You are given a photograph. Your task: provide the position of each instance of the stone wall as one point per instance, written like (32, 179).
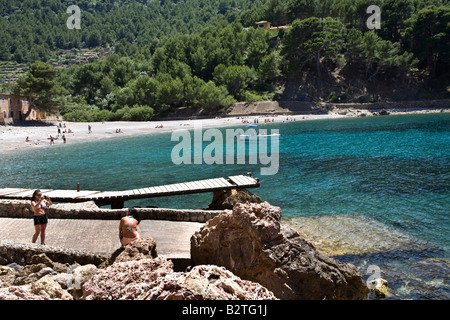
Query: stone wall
(88, 210)
(21, 253)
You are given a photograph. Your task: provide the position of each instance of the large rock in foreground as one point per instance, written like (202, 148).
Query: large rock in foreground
(154, 279)
(207, 283)
(126, 280)
(250, 242)
(143, 248)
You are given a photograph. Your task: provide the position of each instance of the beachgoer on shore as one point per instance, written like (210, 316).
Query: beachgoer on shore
(52, 140)
(64, 138)
(39, 203)
(89, 128)
(28, 139)
(128, 227)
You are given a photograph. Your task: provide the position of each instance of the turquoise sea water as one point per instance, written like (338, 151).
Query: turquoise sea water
(395, 170)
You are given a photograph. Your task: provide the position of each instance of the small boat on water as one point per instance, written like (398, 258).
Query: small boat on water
(257, 136)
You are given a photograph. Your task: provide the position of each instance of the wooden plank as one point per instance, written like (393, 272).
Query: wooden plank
(247, 180)
(234, 180)
(86, 194)
(177, 187)
(220, 183)
(217, 183)
(164, 189)
(191, 186)
(171, 188)
(61, 194)
(212, 184)
(142, 191)
(158, 190)
(203, 184)
(225, 182)
(153, 190)
(243, 180)
(198, 185)
(184, 186)
(239, 180)
(146, 190)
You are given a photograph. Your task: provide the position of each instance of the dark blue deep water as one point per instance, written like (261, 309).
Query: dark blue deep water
(394, 169)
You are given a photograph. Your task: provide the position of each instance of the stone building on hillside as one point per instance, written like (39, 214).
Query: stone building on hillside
(13, 108)
(268, 25)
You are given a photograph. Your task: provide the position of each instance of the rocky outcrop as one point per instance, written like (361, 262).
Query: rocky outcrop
(43, 279)
(144, 248)
(207, 282)
(126, 280)
(250, 242)
(227, 199)
(154, 279)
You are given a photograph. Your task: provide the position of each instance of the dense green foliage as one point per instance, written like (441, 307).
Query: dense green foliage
(208, 53)
(40, 85)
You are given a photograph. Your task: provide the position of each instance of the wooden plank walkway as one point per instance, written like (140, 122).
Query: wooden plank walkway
(117, 198)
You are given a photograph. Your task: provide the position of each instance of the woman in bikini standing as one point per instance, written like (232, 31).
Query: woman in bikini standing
(39, 203)
(128, 227)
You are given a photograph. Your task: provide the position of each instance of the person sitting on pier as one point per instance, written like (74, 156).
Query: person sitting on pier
(128, 227)
(39, 203)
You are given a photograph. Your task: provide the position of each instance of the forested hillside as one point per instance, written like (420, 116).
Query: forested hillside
(158, 56)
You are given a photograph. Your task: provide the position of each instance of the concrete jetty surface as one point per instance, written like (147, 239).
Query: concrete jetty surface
(102, 236)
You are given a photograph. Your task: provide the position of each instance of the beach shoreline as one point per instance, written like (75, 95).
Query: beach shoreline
(13, 137)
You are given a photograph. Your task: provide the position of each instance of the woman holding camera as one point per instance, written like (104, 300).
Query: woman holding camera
(39, 203)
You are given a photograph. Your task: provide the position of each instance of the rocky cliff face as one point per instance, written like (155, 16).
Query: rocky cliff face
(250, 242)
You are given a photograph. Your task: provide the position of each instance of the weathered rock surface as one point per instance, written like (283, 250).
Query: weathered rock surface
(207, 282)
(126, 280)
(144, 248)
(43, 289)
(19, 293)
(49, 288)
(250, 242)
(7, 276)
(229, 198)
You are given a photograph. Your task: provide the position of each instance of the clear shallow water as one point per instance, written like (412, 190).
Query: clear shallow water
(395, 170)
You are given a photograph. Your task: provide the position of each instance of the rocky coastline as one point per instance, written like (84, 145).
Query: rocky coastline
(240, 254)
